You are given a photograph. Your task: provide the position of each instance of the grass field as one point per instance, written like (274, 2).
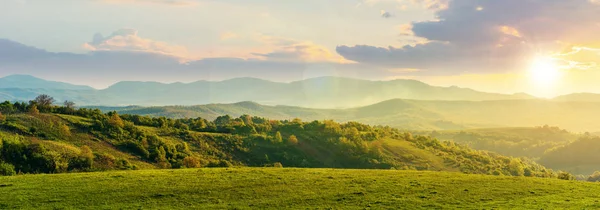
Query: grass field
(273, 188)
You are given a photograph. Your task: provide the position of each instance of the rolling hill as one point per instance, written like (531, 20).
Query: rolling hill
(409, 114)
(87, 140)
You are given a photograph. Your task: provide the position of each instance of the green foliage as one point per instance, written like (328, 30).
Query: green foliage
(518, 142)
(580, 157)
(127, 141)
(7, 169)
(565, 175)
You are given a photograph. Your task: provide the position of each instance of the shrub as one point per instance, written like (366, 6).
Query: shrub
(191, 162)
(33, 110)
(277, 165)
(220, 164)
(64, 130)
(124, 164)
(7, 169)
(2, 117)
(104, 161)
(565, 176)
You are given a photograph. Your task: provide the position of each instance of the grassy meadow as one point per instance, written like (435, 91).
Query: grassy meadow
(278, 188)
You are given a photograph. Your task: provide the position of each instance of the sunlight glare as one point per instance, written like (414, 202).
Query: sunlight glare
(544, 72)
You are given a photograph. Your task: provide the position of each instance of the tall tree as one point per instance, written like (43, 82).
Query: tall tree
(69, 104)
(44, 100)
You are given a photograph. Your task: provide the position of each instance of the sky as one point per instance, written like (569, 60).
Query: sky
(541, 47)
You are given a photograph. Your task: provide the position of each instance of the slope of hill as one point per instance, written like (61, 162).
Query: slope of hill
(411, 114)
(530, 142)
(323, 92)
(268, 188)
(88, 140)
(580, 157)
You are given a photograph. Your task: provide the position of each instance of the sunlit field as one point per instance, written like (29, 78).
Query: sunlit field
(272, 188)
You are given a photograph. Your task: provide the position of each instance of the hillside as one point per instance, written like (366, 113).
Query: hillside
(323, 92)
(530, 142)
(267, 188)
(410, 114)
(65, 140)
(581, 156)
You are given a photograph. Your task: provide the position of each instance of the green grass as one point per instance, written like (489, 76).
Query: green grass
(271, 188)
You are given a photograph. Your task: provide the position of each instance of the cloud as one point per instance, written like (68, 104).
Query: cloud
(129, 41)
(487, 35)
(164, 2)
(281, 60)
(290, 50)
(385, 14)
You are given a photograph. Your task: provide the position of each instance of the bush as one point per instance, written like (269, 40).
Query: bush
(220, 164)
(191, 162)
(566, 176)
(7, 169)
(123, 164)
(277, 165)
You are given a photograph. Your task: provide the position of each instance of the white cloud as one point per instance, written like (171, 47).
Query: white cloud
(128, 40)
(284, 49)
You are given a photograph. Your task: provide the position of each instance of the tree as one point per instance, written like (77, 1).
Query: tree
(44, 100)
(278, 138)
(2, 117)
(70, 106)
(293, 140)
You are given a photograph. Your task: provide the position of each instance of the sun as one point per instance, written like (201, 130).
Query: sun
(544, 72)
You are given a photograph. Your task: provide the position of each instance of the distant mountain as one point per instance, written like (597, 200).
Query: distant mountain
(30, 82)
(323, 92)
(411, 114)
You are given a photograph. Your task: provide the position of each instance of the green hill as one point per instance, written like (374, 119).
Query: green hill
(530, 142)
(65, 140)
(410, 114)
(580, 157)
(268, 188)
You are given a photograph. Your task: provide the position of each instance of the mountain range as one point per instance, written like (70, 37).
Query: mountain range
(322, 92)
